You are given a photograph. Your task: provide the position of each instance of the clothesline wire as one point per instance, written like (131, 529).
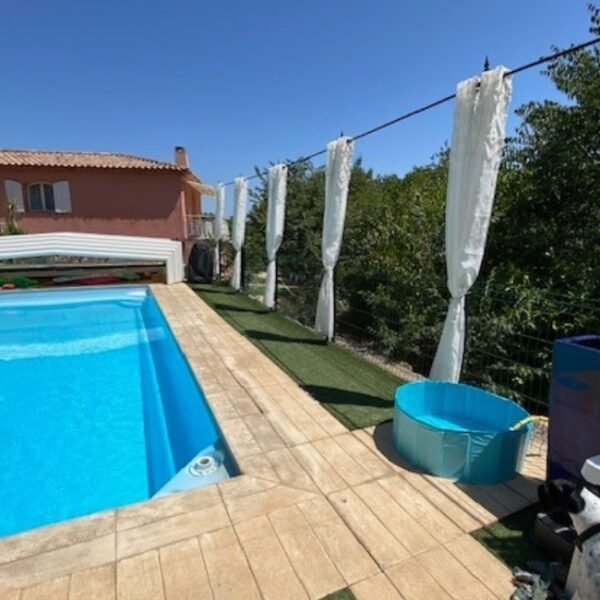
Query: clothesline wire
(540, 61)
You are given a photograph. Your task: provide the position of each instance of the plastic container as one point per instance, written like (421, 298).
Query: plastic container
(459, 432)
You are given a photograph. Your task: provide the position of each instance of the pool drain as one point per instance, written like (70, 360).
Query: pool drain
(205, 465)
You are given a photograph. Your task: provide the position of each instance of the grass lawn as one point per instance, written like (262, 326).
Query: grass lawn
(509, 539)
(356, 392)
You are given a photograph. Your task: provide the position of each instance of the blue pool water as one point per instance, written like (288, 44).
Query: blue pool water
(98, 407)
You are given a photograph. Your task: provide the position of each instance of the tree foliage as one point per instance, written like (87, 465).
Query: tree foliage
(540, 278)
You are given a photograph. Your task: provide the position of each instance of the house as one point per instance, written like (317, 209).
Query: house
(97, 192)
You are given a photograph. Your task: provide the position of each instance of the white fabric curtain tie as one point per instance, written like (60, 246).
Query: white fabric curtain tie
(277, 189)
(337, 181)
(477, 141)
(324, 322)
(269, 299)
(239, 229)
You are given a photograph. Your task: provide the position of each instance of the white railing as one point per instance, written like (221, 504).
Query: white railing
(202, 227)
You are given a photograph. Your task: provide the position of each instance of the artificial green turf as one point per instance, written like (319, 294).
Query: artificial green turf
(356, 392)
(509, 539)
(345, 594)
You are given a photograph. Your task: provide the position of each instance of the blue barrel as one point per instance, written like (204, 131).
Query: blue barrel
(574, 427)
(460, 432)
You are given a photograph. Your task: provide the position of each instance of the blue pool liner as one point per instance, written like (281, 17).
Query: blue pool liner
(459, 432)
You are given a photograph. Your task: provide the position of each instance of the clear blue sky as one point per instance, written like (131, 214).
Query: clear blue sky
(240, 83)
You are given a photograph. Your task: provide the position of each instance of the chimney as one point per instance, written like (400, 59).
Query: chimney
(181, 157)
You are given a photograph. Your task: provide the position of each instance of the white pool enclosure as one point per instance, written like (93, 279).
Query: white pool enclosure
(99, 246)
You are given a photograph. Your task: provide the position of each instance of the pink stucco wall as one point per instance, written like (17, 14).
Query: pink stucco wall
(113, 201)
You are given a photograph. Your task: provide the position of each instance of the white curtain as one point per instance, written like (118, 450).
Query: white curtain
(218, 226)
(477, 141)
(275, 223)
(337, 179)
(239, 229)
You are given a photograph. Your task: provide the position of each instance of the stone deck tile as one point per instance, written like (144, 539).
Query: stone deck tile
(273, 571)
(288, 470)
(56, 589)
(57, 536)
(485, 566)
(264, 434)
(311, 563)
(11, 595)
(319, 469)
(441, 527)
(240, 438)
(291, 451)
(244, 485)
(349, 470)
(286, 428)
(56, 563)
(451, 575)
(228, 570)
(139, 578)
(263, 502)
(377, 587)
(368, 459)
(259, 466)
(96, 584)
(172, 529)
(349, 556)
(375, 537)
(408, 531)
(164, 507)
(183, 571)
(414, 582)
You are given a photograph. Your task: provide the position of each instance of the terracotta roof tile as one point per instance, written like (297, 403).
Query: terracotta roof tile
(98, 160)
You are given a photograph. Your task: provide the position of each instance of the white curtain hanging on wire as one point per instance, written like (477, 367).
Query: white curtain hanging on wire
(218, 226)
(239, 229)
(337, 180)
(275, 224)
(477, 141)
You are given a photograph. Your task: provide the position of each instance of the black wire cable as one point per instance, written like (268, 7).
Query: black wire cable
(540, 61)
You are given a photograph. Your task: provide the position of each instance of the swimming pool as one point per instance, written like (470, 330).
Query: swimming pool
(98, 407)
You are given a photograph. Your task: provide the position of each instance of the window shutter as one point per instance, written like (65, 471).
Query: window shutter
(13, 191)
(62, 197)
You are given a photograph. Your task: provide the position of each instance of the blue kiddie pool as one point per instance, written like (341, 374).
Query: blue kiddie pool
(460, 432)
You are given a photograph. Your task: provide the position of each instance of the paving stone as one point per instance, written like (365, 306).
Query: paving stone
(56, 563)
(347, 468)
(420, 508)
(180, 527)
(139, 578)
(312, 564)
(96, 584)
(321, 471)
(409, 532)
(483, 564)
(254, 505)
(381, 544)
(269, 563)
(377, 587)
(57, 589)
(228, 571)
(460, 583)
(49, 538)
(183, 571)
(166, 506)
(346, 552)
(288, 470)
(414, 582)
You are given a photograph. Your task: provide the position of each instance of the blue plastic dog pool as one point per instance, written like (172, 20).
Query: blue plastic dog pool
(460, 432)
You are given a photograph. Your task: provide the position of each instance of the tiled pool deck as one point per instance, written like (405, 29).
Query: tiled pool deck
(318, 508)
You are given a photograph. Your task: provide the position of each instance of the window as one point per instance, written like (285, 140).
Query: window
(41, 196)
